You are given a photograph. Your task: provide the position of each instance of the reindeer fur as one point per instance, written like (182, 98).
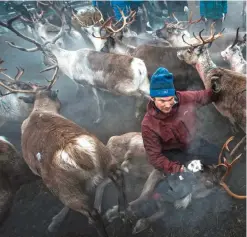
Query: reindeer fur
(14, 173)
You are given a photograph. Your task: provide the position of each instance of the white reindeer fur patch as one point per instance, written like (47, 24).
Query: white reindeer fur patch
(194, 166)
(4, 139)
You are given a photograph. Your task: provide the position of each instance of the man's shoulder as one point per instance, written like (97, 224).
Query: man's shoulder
(147, 121)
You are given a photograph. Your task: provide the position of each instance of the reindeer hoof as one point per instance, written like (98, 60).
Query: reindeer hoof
(111, 214)
(141, 225)
(53, 227)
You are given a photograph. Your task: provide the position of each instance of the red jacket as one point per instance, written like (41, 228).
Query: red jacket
(174, 130)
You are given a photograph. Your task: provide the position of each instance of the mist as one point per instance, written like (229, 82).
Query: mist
(216, 215)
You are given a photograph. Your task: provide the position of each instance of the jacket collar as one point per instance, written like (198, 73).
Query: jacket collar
(155, 112)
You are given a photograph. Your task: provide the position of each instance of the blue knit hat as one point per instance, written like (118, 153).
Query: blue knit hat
(162, 83)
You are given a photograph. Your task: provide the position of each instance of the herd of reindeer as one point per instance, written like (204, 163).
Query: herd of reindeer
(73, 163)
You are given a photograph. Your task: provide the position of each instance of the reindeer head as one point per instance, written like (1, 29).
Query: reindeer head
(31, 93)
(192, 54)
(235, 49)
(110, 32)
(172, 32)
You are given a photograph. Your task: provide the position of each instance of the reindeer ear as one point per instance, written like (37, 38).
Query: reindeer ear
(215, 84)
(53, 94)
(29, 100)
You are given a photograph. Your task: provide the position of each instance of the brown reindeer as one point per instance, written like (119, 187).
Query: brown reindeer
(72, 162)
(14, 173)
(231, 85)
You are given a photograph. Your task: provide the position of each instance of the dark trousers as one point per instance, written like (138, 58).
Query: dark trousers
(199, 149)
(217, 25)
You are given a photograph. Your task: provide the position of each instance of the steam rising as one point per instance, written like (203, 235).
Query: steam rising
(203, 216)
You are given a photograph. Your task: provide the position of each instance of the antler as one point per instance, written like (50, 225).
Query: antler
(236, 38)
(18, 75)
(177, 25)
(9, 25)
(110, 28)
(17, 78)
(228, 167)
(208, 40)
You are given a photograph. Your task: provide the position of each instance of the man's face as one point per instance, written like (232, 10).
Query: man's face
(164, 103)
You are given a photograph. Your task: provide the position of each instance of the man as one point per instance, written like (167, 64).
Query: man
(169, 126)
(213, 11)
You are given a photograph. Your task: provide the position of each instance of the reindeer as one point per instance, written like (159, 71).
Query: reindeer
(197, 181)
(233, 55)
(128, 150)
(118, 74)
(153, 56)
(11, 107)
(173, 32)
(127, 36)
(72, 162)
(14, 173)
(231, 85)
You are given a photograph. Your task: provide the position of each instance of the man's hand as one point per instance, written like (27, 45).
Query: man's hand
(204, 19)
(186, 9)
(224, 16)
(177, 168)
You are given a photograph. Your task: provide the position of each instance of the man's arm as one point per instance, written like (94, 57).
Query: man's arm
(200, 97)
(224, 4)
(202, 8)
(153, 148)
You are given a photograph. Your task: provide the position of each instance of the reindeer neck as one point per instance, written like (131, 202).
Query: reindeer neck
(204, 65)
(122, 48)
(45, 105)
(57, 51)
(11, 108)
(237, 61)
(63, 58)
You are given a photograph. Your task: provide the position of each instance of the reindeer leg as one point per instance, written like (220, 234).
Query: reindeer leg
(125, 164)
(154, 177)
(99, 112)
(98, 223)
(2, 122)
(139, 106)
(6, 197)
(79, 91)
(58, 219)
(144, 223)
(99, 195)
(118, 179)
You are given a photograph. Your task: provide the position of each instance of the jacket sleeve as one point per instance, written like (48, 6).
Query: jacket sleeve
(202, 8)
(200, 97)
(153, 148)
(224, 4)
